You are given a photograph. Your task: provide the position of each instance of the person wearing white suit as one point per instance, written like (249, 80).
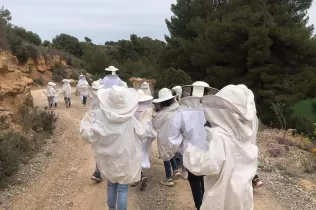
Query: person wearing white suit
(230, 161)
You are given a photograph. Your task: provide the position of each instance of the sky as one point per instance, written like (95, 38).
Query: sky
(100, 20)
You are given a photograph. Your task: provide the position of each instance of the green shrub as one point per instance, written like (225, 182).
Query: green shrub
(38, 120)
(302, 124)
(14, 147)
(57, 78)
(313, 107)
(74, 75)
(39, 81)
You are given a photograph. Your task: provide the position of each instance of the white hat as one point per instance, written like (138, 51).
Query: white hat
(81, 75)
(97, 85)
(144, 85)
(111, 68)
(164, 94)
(50, 84)
(118, 100)
(143, 96)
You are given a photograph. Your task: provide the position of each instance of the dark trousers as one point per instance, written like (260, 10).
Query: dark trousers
(197, 188)
(167, 164)
(84, 100)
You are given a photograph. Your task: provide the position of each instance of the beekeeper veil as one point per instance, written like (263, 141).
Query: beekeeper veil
(145, 87)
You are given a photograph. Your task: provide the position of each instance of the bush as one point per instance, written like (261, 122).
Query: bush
(14, 147)
(302, 124)
(74, 75)
(38, 120)
(313, 107)
(57, 78)
(39, 81)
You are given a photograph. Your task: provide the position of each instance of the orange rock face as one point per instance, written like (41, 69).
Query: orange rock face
(14, 88)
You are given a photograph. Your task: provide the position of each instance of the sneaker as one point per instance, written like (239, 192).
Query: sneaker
(184, 175)
(143, 183)
(257, 183)
(134, 184)
(167, 182)
(176, 175)
(96, 177)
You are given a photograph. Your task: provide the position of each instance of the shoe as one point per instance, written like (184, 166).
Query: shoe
(96, 177)
(134, 184)
(167, 182)
(143, 183)
(257, 183)
(176, 175)
(184, 175)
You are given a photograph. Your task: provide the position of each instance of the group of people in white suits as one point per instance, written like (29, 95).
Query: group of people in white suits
(213, 130)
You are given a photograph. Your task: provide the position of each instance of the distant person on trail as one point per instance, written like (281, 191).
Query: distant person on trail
(55, 101)
(230, 162)
(166, 109)
(95, 105)
(83, 89)
(111, 79)
(50, 93)
(187, 126)
(145, 87)
(66, 90)
(118, 135)
(144, 114)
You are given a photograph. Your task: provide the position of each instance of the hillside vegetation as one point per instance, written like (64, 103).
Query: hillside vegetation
(264, 44)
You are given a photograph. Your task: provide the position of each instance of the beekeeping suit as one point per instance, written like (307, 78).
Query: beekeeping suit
(230, 163)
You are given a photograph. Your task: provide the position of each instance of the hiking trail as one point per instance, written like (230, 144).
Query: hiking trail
(59, 176)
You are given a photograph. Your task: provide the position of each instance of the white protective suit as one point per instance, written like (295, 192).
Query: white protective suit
(231, 161)
(144, 114)
(111, 80)
(187, 126)
(83, 87)
(66, 89)
(50, 91)
(161, 123)
(116, 143)
(95, 103)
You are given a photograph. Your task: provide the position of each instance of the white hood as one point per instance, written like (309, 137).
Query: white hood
(161, 123)
(116, 143)
(231, 161)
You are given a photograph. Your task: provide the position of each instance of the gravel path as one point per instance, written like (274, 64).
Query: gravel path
(58, 178)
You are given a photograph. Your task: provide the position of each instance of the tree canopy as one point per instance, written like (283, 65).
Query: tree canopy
(263, 44)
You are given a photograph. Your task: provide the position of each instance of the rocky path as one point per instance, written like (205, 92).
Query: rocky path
(59, 177)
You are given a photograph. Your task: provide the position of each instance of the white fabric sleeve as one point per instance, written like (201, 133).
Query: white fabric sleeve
(207, 163)
(86, 127)
(139, 129)
(175, 132)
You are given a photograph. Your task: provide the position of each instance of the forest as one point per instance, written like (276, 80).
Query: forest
(264, 44)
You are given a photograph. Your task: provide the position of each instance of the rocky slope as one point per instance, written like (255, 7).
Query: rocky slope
(14, 89)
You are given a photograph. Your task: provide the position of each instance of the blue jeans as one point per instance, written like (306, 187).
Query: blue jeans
(117, 192)
(174, 166)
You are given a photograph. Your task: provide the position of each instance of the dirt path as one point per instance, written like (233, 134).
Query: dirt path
(62, 180)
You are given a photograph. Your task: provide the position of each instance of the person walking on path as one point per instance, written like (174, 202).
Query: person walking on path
(66, 90)
(230, 162)
(83, 89)
(187, 126)
(144, 114)
(118, 135)
(111, 79)
(94, 106)
(50, 93)
(161, 123)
